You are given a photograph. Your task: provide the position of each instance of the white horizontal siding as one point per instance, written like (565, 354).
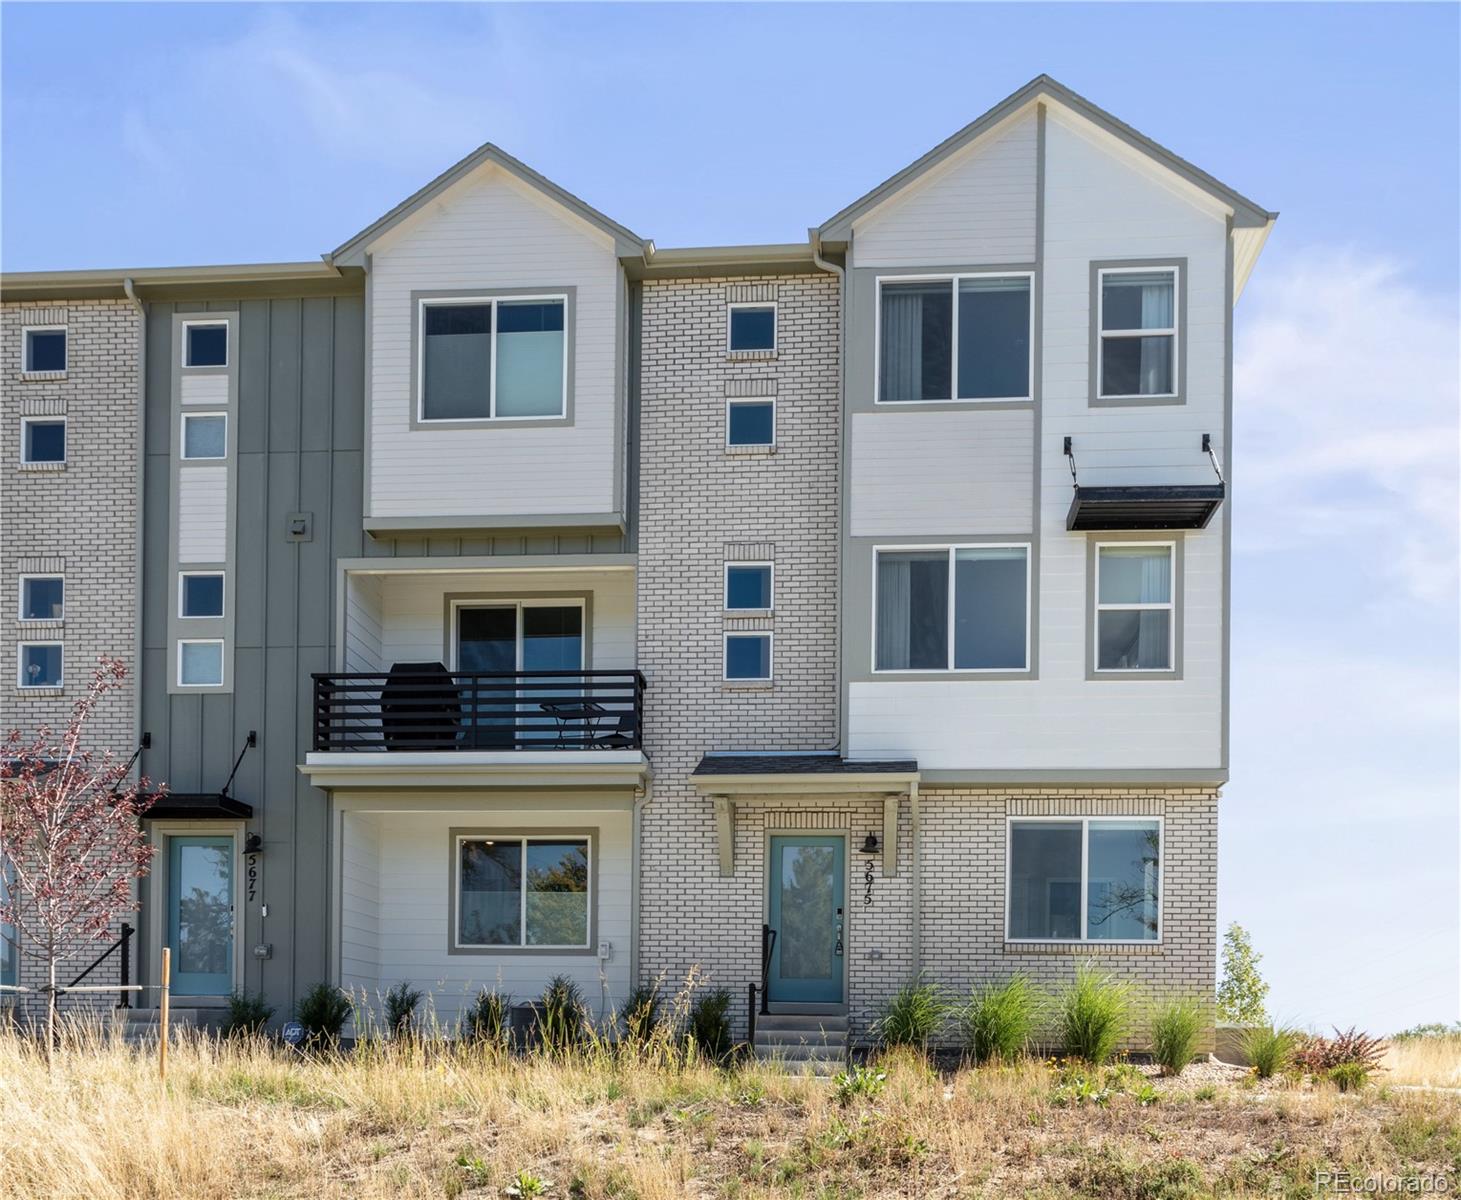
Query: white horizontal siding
(360, 904)
(979, 207)
(203, 389)
(414, 914)
(413, 622)
(202, 514)
(930, 473)
(363, 623)
(493, 232)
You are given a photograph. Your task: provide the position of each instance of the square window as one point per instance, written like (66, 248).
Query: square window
(201, 595)
(43, 441)
(205, 344)
(748, 656)
(752, 327)
(205, 435)
(200, 664)
(45, 350)
(40, 665)
(750, 423)
(748, 585)
(42, 598)
(1135, 611)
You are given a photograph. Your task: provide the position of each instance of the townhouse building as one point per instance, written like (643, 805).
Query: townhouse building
(521, 599)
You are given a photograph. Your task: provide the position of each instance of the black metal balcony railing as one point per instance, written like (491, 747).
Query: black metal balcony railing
(422, 706)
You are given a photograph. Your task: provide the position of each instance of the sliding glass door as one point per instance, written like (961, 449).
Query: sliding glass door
(523, 636)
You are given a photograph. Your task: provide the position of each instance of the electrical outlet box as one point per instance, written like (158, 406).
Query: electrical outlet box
(264, 950)
(606, 951)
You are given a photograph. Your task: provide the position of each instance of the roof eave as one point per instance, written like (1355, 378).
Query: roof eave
(163, 282)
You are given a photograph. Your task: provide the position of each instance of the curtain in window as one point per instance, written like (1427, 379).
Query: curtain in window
(1156, 353)
(1154, 627)
(916, 350)
(913, 611)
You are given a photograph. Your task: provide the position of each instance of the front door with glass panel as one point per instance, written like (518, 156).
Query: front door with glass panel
(200, 915)
(805, 908)
(525, 637)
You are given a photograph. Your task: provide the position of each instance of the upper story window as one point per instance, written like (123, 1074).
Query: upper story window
(205, 435)
(44, 349)
(205, 344)
(748, 586)
(43, 439)
(1135, 618)
(1137, 333)
(748, 657)
(40, 665)
(493, 359)
(200, 663)
(961, 337)
(42, 597)
(200, 594)
(1084, 880)
(750, 422)
(752, 327)
(952, 608)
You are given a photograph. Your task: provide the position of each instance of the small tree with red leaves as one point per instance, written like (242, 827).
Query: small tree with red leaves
(71, 842)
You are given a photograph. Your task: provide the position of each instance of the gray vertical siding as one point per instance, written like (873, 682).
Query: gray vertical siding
(300, 444)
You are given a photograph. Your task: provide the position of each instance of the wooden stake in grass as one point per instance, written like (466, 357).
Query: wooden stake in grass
(162, 1025)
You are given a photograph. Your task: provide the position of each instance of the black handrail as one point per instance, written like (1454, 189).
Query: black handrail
(768, 944)
(124, 944)
(423, 706)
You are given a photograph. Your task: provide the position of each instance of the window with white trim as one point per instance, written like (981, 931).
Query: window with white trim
(205, 435)
(958, 337)
(748, 586)
(748, 657)
(1135, 619)
(1137, 327)
(43, 439)
(750, 422)
(205, 343)
(200, 594)
(493, 359)
(200, 662)
(751, 327)
(1084, 879)
(42, 598)
(530, 891)
(951, 608)
(40, 665)
(44, 349)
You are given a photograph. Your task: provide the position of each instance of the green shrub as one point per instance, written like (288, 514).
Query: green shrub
(915, 1013)
(999, 1019)
(1176, 1026)
(561, 1013)
(710, 1023)
(641, 1013)
(1095, 1014)
(323, 1011)
(487, 1019)
(1349, 1076)
(401, 1002)
(859, 1081)
(1432, 1029)
(247, 1015)
(1270, 1048)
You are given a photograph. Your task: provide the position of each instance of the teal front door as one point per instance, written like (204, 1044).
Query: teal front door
(200, 915)
(805, 909)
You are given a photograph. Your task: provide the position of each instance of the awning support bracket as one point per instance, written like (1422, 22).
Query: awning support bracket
(1211, 457)
(251, 740)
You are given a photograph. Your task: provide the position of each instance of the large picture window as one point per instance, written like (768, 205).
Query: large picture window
(952, 608)
(1135, 615)
(962, 337)
(493, 359)
(530, 891)
(1137, 333)
(1084, 879)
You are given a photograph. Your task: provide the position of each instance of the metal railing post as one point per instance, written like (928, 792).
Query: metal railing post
(124, 997)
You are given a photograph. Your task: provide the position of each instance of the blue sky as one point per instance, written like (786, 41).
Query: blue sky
(171, 134)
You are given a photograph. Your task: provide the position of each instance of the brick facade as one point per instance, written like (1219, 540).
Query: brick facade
(77, 520)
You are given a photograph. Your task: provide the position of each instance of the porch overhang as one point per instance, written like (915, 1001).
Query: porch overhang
(360, 771)
(197, 806)
(793, 777)
(1187, 506)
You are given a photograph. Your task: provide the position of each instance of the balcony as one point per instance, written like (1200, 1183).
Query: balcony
(424, 708)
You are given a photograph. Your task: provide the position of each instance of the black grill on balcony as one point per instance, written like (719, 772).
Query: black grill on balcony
(425, 707)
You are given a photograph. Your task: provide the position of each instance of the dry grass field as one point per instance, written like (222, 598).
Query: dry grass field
(254, 1120)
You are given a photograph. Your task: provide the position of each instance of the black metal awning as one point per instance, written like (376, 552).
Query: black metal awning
(1161, 506)
(198, 806)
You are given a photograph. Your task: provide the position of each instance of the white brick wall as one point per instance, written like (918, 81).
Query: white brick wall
(79, 521)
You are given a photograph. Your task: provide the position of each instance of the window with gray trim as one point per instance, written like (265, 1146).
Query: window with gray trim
(523, 891)
(1135, 606)
(1084, 879)
(494, 358)
(951, 608)
(1137, 333)
(961, 337)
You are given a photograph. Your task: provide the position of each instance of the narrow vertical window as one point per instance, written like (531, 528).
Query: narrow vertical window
(1135, 618)
(1138, 333)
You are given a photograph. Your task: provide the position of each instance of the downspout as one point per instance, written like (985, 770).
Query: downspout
(641, 802)
(832, 268)
(130, 290)
(915, 877)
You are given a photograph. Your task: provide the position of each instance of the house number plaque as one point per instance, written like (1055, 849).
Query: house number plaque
(251, 875)
(867, 883)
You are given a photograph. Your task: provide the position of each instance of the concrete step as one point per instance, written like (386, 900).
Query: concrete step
(803, 1022)
(789, 1052)
(800, 1037)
